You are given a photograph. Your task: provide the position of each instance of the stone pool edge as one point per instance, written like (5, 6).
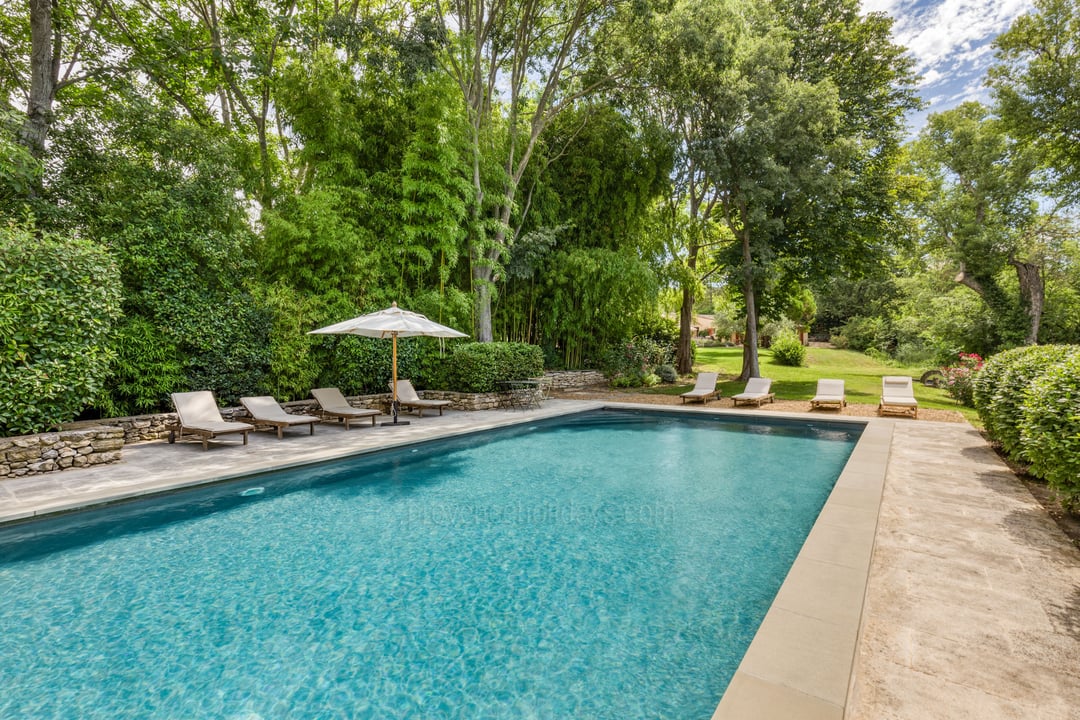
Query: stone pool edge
(801, 662)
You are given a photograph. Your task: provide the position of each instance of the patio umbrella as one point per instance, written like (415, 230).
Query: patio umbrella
(391, 323)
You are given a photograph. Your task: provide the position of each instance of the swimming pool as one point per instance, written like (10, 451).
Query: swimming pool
(614, 565)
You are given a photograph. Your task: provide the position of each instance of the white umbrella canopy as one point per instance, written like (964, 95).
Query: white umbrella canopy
(393, 322)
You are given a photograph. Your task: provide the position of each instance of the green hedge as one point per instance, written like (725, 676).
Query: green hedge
(59, 301)
(1000, 389)
(1050, 429)
(478, 367)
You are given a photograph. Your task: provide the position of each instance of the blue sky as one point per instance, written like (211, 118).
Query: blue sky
(950, 42)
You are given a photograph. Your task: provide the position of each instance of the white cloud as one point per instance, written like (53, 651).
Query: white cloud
(885, 6)
(931, 77)
(953, 28)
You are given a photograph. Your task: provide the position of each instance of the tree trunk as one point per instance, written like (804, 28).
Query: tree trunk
(482, 278)
(683, 358)
(750, 339)
(1032, 296)
(44, 70)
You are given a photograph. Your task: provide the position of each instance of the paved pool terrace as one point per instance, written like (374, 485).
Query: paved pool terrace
(932, 586)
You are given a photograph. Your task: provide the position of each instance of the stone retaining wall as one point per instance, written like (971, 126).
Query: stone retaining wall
(93, 442)
(49, 452)
(574, 379)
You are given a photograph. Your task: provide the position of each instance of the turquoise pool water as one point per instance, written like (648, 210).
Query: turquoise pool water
(612, 565)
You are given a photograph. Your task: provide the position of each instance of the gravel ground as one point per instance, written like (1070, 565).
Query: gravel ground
(788, 406)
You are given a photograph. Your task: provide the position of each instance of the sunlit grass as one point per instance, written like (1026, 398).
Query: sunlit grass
(861, 375)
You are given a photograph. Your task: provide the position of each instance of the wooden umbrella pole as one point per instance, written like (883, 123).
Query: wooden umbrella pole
(393, 371)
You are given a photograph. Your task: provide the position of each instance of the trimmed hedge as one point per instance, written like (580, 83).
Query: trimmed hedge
(1050, 429)
(1001, 386)
(478, 367)
(59, 301)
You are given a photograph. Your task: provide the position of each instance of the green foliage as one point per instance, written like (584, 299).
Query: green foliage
(478, 367)
(59, 298)
(787, 350)
(667, 373)
(864, 333)
(147, 367)
(226, 344)
(1037, 86)
(593, 299)
(629, 363)
(293, 362)
(1001, 386)
(979, 206)
(1050, 428)
(161, 194)
(19, 171)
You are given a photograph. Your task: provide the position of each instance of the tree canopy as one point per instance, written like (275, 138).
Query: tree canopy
(546, 172)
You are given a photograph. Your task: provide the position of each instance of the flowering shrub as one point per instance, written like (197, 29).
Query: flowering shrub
(628, 364)
(960, 378)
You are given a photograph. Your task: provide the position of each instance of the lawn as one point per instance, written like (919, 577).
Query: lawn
(861, 375)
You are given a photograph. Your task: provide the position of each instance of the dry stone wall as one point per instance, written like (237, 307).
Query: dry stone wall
(574, 379)
(101, 441)
(49, 452)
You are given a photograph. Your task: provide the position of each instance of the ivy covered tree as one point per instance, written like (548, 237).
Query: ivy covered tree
(979, 207)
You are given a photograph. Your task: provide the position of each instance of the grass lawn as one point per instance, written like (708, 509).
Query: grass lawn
(861, 375)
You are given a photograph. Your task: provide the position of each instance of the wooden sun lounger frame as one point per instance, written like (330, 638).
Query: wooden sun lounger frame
(207, 429)
(416, 402)
(344, 412)
(701, 389)
(748, 397)
(829, 399)
(895, 404)
(284, 419)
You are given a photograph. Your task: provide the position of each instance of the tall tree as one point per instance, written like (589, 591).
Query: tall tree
(693, 54)
(791, 133)
(1036, 84)
(518, 64)
(980, 208)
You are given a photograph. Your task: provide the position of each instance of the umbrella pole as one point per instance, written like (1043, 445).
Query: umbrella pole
(393, 386)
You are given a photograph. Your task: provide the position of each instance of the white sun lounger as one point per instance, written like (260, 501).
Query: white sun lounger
(334, 405)
(898, 397)
(756, 392)
(830, 393)
(704, 388)
(198, 414)
(264, 410)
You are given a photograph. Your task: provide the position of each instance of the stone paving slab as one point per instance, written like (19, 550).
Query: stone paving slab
(973, 602)
(156, 466)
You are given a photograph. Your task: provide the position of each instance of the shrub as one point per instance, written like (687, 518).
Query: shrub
(1050, 428)
(478, 367)
(667, 373)
(865, 333)
(787, 350)
(1000, 386)
(650, 380)
(960, 378)
(59, 298)
(627, 381)
(636, 357)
